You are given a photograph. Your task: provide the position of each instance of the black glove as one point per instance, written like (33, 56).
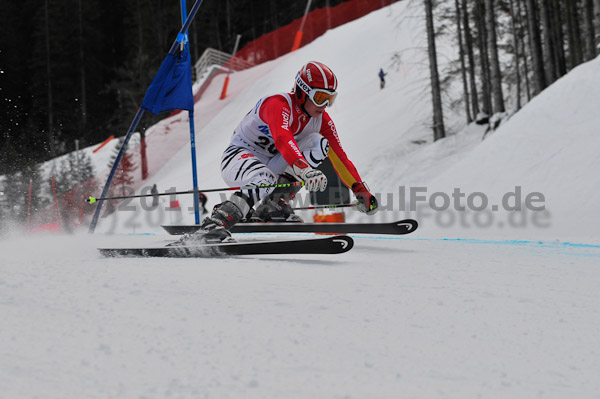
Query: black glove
(367, 203)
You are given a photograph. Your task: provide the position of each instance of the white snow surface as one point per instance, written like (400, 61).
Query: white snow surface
(451, 311)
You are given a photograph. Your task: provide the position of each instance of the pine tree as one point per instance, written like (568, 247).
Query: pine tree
(590, 30)
(484, 60)
(124, 174)
(535, 43)
(3, 207)
(75, 169)
(522, 28)
(438, 116)
(574, 33)
(471, 58)
(461, 56)
(33, 172)
(597, 21)
(15, 196)
(517, 68)
(75, 181)
(549, 45)
(496, 75)
(17, 187)
(558, 36)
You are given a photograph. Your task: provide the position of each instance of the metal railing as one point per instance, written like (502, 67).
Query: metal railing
(215, 58)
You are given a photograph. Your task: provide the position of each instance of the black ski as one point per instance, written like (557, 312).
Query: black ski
(326, 245)
(397, 228)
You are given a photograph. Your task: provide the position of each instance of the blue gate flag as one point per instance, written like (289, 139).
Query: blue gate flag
(171, 88)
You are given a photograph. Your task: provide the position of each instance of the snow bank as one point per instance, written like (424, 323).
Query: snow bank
(551, 147)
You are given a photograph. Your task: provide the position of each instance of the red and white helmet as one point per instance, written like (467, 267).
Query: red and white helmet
(317, 82)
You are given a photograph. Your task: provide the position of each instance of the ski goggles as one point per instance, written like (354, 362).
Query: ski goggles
(319, 97)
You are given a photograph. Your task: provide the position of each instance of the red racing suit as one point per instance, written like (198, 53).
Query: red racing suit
(275, 125)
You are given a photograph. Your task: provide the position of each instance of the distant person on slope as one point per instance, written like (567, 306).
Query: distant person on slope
(283, 139)
(381, 78)
(202, 199)
(154, 192)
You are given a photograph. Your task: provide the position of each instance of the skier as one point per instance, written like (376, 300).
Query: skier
(382, 78)
(202, 199)
(154, 192)
(283, 139)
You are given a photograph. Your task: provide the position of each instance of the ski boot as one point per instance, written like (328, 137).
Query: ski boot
(214, 228)
(275, 207)
(274, 210)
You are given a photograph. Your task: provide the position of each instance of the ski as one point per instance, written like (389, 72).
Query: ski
(396, 228)
(327, 245)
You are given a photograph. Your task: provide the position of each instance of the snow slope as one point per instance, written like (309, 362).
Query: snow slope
(392, 318)
(552, 147)
(422, 316)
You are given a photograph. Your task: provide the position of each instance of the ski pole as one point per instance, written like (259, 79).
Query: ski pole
(308, 208)
(92, 200)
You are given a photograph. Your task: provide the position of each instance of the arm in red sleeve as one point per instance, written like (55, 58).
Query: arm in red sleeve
(343, 166)
(276, 112)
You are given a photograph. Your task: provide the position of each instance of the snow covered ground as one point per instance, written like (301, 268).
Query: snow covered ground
(448, 312)
(391, 318)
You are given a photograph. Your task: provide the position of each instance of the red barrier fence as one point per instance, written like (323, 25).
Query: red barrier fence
(279, 42)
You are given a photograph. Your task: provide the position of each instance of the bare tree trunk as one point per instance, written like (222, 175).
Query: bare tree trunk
(573, 34)
(461, 54)
(549, 47)
(597, 19)
(82, 69)
(194, 45)
(471, 58)
(496, 77)
(50, 133)
(539, 79)
(273, 12)
(516, 49)
(483, 57)
(436, 94)
(140, 32)
(275, 24)
(590, 34)
(228, 19)
(218, 35)
(523, 52)
(155, 18)
(559, 37)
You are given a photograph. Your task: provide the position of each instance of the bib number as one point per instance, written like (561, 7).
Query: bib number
(264, 143)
